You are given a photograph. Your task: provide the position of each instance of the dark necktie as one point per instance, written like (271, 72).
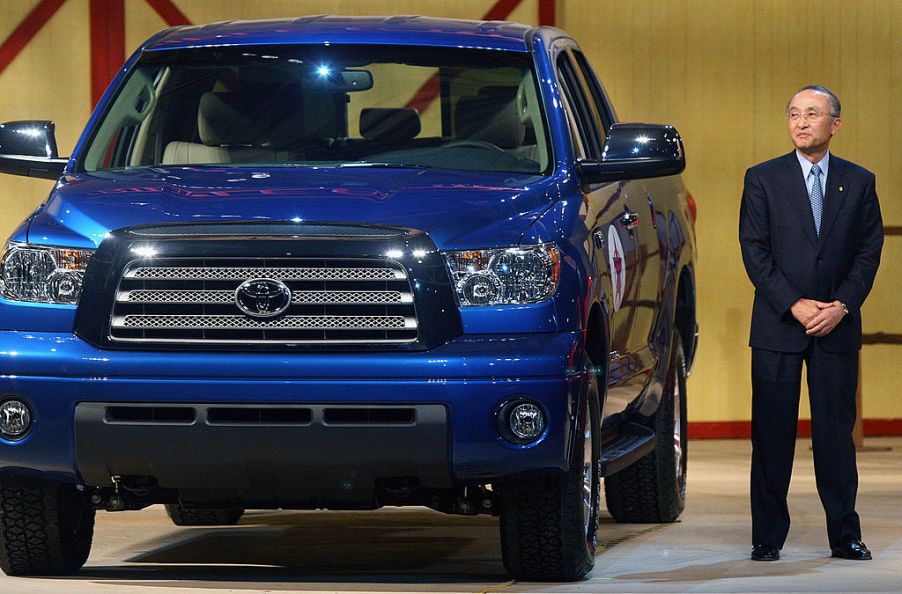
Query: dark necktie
(817, 197)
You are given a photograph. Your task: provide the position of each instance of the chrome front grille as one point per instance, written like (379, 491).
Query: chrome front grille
(333, 301)
(219, 296)
(158, 322)
(247, 272)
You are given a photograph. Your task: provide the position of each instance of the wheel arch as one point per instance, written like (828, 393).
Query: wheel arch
(598, 347)
(685, 319)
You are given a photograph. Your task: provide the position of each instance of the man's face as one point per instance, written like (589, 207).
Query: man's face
(810, 124)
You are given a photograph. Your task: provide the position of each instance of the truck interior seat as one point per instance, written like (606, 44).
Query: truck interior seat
(389, 124)
(490, 116)
(233, 128)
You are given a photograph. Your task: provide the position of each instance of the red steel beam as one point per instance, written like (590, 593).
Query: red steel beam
(107, 43)
(426, 94)
(547, 13)
(501, 10)
(27, 29)
(108, 38)
(169, 12)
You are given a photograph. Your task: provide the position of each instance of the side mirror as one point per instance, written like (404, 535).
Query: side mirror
(635, 151)
(29, 148)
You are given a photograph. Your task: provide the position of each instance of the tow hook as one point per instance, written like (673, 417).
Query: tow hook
(115, 501)
(475, 501)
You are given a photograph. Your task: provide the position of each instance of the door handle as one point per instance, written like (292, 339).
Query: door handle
(629, 220)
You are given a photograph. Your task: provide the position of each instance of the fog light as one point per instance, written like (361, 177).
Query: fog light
(521, 421)
(527, 421)
(15, 419)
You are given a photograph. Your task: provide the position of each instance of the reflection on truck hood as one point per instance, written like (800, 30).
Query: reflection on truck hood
(457, 209)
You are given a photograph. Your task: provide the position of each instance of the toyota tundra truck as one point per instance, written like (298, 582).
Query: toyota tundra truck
(348, 263)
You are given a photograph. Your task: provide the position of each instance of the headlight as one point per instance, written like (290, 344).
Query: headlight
(505, 276)
(42, 274)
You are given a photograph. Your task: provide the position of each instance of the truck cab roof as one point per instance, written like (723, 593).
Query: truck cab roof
(326, 29)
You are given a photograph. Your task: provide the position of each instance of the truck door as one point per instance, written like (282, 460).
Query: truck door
(653, 235)
(613, 235)
(643, 220)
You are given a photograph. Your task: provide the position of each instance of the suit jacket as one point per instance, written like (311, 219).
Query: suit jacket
(787, 260)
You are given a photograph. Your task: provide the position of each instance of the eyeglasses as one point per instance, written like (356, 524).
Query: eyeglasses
(810, 115)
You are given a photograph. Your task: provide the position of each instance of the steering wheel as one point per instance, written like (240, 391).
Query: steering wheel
(480, 144)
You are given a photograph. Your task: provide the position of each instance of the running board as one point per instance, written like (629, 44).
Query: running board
(634, 442)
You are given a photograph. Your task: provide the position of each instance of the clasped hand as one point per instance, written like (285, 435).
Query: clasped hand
(818, 317)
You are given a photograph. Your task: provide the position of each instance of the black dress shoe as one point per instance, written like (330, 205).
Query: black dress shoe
(852, 548)
(765, 553)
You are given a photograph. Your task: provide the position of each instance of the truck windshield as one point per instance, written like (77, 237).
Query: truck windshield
(325, 106)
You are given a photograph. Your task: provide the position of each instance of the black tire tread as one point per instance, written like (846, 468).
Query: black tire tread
(542, 533)
(647, 492)
(540, 542)
(45, 529)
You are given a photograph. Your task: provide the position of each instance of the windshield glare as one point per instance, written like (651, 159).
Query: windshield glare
(327, 106)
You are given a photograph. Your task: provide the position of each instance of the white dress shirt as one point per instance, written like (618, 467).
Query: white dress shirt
(806, 172)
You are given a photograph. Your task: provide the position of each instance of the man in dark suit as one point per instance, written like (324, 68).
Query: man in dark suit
(811, 235)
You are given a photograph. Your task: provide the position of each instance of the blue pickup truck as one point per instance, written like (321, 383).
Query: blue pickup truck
(348, 263)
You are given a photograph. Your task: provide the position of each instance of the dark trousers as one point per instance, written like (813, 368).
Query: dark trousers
(776, 382)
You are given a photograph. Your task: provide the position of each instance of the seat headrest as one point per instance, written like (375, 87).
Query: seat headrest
(379, 123)
(231, 119)
(492, 115)
(275, 116)
(314, 116)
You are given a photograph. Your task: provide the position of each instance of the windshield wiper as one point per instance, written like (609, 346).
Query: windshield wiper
(383, 165)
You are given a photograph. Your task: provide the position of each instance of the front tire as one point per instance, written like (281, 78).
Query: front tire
(653, 489)
(203, 516)
(45, 528)
(548, 527)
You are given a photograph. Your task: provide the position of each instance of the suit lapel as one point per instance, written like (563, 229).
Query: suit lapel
(797, 195)
(833, 196)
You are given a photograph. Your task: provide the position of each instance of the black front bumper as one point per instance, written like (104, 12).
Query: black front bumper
(310, 455)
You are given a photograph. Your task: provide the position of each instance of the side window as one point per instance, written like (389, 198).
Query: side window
(575, 135)
(115, 140)
(580, 107)
(603, 111)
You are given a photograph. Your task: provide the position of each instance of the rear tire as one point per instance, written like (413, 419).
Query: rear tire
(548, 527)
(653, 489)
(45, 528)
(203, 516)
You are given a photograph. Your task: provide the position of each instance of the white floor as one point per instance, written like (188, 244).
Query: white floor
(417, 550)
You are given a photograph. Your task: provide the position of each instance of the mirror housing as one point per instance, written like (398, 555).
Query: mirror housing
(634, 151)
(340, 81)
(29, 148)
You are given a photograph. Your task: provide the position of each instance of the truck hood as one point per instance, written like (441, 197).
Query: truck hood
(457, 209)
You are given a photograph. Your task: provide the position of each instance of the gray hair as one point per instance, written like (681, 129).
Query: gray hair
(833, 100)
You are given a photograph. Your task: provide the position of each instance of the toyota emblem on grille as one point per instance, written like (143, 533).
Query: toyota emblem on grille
(262, 297)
